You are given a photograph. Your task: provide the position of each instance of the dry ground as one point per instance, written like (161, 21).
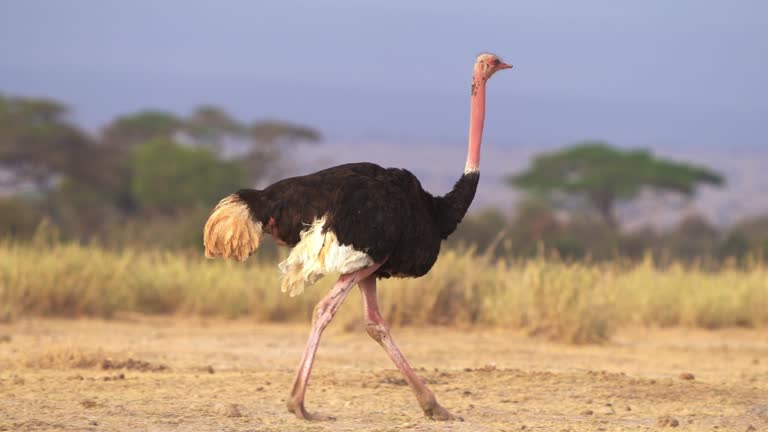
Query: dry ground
(155, 374)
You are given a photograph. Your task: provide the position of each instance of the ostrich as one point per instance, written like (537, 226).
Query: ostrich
(362, 221)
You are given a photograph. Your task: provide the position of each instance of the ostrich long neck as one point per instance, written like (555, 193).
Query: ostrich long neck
(452, 207)
(476, 120)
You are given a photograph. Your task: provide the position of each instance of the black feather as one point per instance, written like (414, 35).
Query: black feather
(384, 212)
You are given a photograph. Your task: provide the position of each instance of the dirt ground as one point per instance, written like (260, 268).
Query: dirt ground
(142, 374)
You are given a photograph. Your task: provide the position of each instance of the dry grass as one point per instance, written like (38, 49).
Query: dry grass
(573, 302)
(70, 357)
(65, 358)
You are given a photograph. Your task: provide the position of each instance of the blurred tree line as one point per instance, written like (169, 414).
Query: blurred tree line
(536, 228)
(147, 178)
(150, 178)
(570, 206)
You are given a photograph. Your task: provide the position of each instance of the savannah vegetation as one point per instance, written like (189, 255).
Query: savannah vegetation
(104, 223)
(576, 301)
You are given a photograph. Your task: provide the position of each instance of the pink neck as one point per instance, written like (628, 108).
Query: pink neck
(476, 119)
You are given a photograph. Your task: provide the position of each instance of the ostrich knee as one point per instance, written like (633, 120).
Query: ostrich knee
(379, 331)
(322, 315)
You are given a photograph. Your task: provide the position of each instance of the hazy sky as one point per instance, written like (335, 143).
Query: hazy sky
(655, 73)
(388, 81)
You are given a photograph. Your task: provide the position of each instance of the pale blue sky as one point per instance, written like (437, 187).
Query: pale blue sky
(652, 73)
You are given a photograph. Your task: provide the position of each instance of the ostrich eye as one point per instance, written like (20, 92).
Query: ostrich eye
(496, 62)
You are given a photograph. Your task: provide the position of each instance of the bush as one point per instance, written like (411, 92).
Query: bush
(19, 218)
(169, 177)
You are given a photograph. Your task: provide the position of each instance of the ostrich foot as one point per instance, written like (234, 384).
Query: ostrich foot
(441, 414)
(298, 409)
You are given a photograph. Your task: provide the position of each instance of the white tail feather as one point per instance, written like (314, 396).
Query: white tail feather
(317, 254)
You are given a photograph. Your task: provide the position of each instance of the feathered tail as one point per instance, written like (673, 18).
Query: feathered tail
(230, 231)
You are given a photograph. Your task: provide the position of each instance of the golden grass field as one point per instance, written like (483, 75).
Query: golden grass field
(93, 339)
(571, 302)
(162, 374)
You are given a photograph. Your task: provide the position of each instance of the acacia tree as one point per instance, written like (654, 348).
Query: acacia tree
(260, 146)
(212, 127)
(269, 141)
(605, 175)
(257, 147)
(39, 146)
(128, 131)
(168, 176)
(42, 152)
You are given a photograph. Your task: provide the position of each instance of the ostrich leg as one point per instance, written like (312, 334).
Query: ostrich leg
(321, 317)
(378, 329)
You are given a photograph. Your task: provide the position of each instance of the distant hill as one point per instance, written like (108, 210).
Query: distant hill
(439, 165)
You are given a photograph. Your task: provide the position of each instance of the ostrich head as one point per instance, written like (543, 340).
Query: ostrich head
(488, 64)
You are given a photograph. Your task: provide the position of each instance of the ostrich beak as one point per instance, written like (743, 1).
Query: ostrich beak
(503, 66)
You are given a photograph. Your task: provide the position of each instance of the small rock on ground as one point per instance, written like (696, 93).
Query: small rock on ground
(227, 410)
(665, 421)
(760, 410)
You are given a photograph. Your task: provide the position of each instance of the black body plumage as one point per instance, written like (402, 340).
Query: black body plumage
(383, 212)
